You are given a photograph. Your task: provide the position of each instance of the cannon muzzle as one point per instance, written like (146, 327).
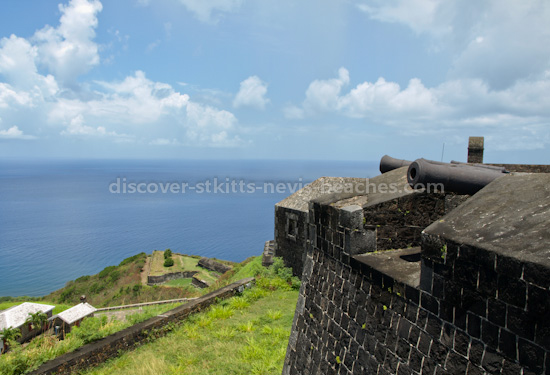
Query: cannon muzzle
(387, 163)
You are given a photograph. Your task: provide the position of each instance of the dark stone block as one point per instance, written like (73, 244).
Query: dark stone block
(429, 303)
(487, 282)
(403, 369)
(462, 342)
(411, 312)
(403, 349)
(542, 336)
(509, 266)
(496, 312)
(474, 370)
(507, 344)
(414, 334)
(530, 355)
(438, 287)
(537, 274)
(452, 293)
(456, 364)
(438, 352)
(474, 302)
(460, 318)
(415, 360)
(474, 325)
(433, 327)
(422, 318)
(512, 291)
(446, 311)
(492, 361)
(476, 352)
(466, 274)
(489, 333)
(519, 322)
(538, 303)
(428, 366)
(424, 343)
(511, 368)
(404, 328)
(447, 337)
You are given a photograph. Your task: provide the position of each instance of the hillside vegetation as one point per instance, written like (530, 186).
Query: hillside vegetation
(118, 285)
(246, 334)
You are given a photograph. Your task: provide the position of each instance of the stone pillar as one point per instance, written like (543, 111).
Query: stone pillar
(475, 150)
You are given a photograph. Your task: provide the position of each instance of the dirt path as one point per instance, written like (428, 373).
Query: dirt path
(146, 269)
(119, 314)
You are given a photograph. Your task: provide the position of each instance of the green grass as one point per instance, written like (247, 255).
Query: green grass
(179, 283)
(223, 340)
(46, 347)
(181, 263)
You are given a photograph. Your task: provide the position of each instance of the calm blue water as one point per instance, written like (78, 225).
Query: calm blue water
(59, 220)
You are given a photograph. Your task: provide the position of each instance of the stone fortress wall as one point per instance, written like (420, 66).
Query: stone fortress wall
(466, 290)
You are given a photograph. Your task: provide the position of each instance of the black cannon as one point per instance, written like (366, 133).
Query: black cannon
(451, 177)
(387, 163)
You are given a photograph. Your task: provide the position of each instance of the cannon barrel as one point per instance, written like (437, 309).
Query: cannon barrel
(387, 163)
(494, 167)
(458, 178)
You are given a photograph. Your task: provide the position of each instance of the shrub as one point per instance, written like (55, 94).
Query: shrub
(167, 253)
(106, 271)
(169, 262)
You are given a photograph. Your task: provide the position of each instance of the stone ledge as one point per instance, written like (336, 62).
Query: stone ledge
(403, 265)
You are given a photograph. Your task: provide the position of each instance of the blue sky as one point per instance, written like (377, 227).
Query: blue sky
(276, 79)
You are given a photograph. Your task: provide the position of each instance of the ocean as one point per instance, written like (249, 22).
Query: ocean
(60, 220)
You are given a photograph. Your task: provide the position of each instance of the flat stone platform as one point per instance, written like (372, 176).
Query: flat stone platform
(402, 265)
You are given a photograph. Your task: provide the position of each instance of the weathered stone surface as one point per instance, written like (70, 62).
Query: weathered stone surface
(212, 265)
(509, 217)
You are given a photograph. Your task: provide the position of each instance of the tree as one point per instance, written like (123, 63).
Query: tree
(9, 335)
(167, 253)
(37, 320)
(169, 262)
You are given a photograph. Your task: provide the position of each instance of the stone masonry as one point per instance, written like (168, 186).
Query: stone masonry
(475, 299)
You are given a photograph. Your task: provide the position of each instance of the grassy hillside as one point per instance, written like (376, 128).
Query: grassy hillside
(243, 335)
(117, 285)
(246, 334)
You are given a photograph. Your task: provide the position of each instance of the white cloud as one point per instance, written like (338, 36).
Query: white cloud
(489, 39)
(451, 106)
(165, 142)
(251, 93)
(14, 133)
(208, 11)
(69, 50)
(135, 100)
(77, 127)
(207, 125)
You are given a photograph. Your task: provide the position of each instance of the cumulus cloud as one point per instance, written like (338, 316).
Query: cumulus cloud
(208, 125)
(208, 11)
(77, 127)
(453, 105)
(14, 133)
(490, 40)
(69, 50)
(251, 93)
(165, 142)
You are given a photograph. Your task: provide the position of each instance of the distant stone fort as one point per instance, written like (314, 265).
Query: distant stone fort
(397, 280)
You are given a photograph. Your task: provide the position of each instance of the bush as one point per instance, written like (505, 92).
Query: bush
(169, 262)
(167, 253)
(106, 271)
(133, 258)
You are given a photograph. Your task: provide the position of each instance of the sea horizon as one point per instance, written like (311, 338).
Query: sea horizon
(63, 218)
